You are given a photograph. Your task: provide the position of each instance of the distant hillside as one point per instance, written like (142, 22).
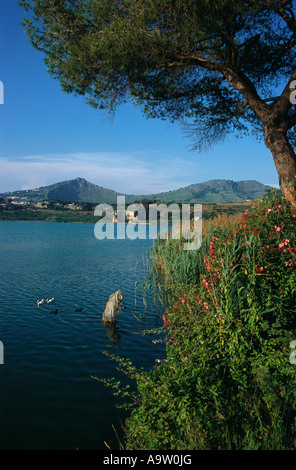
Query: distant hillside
(76, 190)
(81, 190)
(213, 191)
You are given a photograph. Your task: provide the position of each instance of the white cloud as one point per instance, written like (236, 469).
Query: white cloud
(135, 173)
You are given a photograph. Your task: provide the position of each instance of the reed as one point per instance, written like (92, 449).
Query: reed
(171, 264)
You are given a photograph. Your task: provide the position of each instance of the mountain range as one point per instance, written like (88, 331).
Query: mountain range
(81, 190)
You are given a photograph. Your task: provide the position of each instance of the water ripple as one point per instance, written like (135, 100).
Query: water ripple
(49, 400)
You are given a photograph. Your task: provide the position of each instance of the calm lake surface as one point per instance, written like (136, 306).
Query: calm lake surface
(48, 399)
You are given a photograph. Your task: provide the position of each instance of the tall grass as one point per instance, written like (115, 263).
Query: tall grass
(174, 265)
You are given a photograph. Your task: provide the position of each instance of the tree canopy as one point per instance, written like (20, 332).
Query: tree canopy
(216, 66)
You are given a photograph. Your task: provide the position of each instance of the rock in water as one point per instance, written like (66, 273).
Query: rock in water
(112, 308)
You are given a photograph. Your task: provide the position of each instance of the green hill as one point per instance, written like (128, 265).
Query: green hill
(75, 190)
(213, 191)
(81, 190)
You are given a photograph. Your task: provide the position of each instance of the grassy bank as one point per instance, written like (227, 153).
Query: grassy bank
(229, 379)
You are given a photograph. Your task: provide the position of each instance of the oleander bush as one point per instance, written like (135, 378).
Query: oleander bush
(228, 381)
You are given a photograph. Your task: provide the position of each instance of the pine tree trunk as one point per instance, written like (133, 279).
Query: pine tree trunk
(284, 158)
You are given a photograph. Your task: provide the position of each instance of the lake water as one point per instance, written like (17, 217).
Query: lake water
(48, 399)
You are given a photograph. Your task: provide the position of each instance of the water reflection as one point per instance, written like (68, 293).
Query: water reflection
(113, 335)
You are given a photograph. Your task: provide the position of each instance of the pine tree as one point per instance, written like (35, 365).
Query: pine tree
(216, 66)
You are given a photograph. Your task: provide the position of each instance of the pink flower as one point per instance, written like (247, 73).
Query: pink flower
(261, 268)
(278, 229)
(268, 211)
(165, 324)
(284, 243)
(248, 243)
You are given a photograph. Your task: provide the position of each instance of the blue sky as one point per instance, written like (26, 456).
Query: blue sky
(48, 136)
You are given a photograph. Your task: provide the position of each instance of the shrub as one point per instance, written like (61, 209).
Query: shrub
(227, 381)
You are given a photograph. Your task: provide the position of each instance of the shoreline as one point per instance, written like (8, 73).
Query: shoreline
(209, 211)
(72, 221)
